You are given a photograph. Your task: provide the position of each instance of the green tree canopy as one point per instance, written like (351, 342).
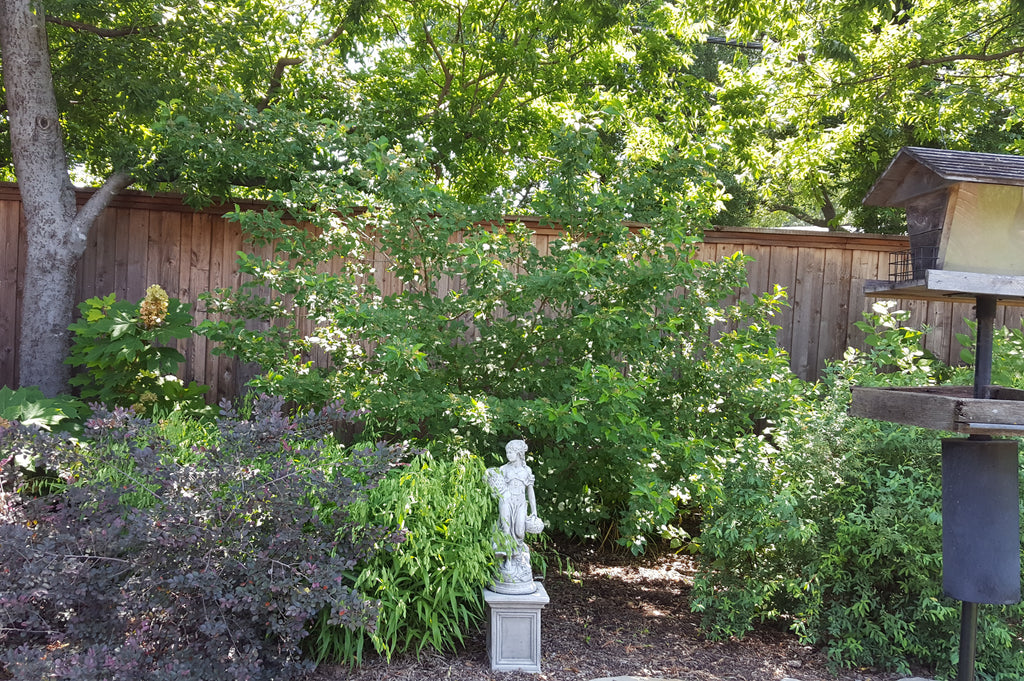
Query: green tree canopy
(837, 88)
(211, 96)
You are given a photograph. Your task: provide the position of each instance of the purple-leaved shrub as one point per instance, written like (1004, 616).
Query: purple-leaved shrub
(135, 566)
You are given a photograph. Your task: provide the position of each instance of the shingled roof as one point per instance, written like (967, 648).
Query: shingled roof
(918, 170)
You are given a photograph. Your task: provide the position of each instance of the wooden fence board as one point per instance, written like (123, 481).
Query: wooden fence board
(918, 310)
(939, 320)
(167, 250)
(757, 270)
(863, 267)
(104, 232)
(229, 245)
(122, 229)
(806, 297)
(959, 313)
(1013, 317)
(138, 252)
(183, 290)
(199, 281)
(9, 295)
(782, 271)
(835, 303)
(86, 270)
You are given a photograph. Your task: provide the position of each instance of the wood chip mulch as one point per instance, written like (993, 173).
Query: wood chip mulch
(616, 615)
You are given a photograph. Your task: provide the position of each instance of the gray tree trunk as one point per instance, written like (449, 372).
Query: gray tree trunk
(56, 231)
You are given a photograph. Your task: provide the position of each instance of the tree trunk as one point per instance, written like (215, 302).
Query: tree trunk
(55, 231)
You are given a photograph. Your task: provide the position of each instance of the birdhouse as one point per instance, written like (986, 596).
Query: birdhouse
(965, 220)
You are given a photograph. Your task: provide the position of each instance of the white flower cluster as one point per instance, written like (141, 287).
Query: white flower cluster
(335, 341)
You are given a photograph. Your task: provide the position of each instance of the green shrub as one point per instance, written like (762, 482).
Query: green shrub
(1007, 353)
(896, 354)
(611, 354)
(428, 585)
(835, 527)
(122, 349)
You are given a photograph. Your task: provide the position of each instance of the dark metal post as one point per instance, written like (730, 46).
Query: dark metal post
(985, 313)
(968, 641)
(985, 310)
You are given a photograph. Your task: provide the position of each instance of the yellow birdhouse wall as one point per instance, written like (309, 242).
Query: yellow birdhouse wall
(984, 229)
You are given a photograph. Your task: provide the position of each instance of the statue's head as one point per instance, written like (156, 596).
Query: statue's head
(516, 449)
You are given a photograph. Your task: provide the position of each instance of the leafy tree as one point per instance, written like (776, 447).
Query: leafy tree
(438, 119)
(603, 353)
(57, 229)
(806, 106)
(837, 88)
(82, 84)
(238, 97)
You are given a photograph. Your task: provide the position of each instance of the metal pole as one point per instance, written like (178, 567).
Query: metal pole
(985, 313)
(968, 641)
(985, 310)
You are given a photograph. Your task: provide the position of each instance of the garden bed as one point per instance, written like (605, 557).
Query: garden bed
(612, 615)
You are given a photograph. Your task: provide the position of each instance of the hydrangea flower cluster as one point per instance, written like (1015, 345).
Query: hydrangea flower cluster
(153, 309)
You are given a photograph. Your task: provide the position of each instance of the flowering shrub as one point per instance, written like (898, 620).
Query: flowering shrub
(139, 566)
(123, 350)
(153, 308)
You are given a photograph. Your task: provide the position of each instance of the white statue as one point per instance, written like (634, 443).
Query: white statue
(517, 516)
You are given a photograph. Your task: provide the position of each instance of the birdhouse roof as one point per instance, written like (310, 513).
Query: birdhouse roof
(916, 171)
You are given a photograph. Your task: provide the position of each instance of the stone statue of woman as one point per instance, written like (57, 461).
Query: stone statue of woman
(517, 515)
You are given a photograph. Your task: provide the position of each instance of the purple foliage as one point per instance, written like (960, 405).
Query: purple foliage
(214, 569)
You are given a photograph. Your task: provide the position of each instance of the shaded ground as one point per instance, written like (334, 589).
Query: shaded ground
(614, 615)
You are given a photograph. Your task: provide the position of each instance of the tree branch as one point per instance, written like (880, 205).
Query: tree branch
(448, 78)
(749, 45)
(799, 214)
(275, 79)
(338, 32)
(828, 209)
(96, 30)
(96, 204)
(934, 61)
(284, 62)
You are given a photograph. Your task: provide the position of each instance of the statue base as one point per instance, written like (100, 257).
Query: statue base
(513, 629)
(514, 588)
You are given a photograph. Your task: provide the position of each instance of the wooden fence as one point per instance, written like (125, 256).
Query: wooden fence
(824, 274)
(141, 240)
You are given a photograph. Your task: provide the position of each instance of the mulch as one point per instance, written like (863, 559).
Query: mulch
(617, 615)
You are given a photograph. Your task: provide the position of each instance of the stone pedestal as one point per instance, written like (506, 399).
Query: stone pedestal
(513, 630)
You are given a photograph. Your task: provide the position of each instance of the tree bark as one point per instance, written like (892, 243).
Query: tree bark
(55, 232)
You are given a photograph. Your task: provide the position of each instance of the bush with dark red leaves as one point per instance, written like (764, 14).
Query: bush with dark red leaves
(123, 557)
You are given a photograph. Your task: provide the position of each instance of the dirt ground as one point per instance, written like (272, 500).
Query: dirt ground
(614, 615)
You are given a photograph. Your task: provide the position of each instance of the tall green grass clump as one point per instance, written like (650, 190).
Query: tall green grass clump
(428, 583)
